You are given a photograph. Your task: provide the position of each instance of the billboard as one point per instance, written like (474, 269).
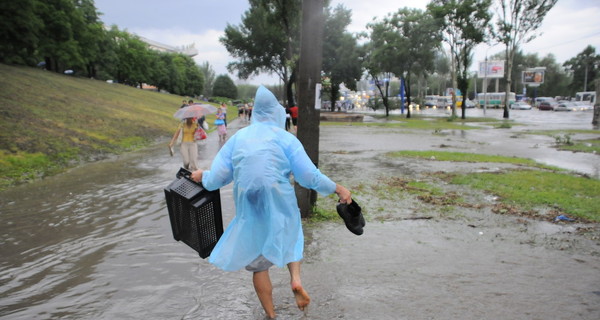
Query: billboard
(533, 77)
(491, 69)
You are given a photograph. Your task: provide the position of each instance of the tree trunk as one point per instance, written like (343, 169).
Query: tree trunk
(291, 100)
(509, 61)
(335, 92)
(309, 75)
(454, 85)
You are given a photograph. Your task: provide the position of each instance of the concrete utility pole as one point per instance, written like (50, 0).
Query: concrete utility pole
(596, 116)
(309, 75)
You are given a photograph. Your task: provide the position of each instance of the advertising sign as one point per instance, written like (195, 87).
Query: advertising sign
(491, 69)
(533, 77)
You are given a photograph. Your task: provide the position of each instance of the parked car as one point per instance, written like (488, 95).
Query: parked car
(547, 105)
(566, 106)
(469, 103)
(521, 105)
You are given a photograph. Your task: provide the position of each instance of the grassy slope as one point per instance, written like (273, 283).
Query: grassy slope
(50, 121)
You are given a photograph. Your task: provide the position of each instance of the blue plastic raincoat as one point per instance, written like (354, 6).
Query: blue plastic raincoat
(259, 160)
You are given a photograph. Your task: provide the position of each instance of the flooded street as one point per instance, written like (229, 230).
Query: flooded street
(96, 243)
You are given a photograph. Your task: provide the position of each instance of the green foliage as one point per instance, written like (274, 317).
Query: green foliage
(585, 69)
(465, 25)
(341, 52)
(19, 26)
(516, 24)
(563, 140)
(68, 35)
(402, 43)
(209, 78)
(267, 40)
(246, 92)
(224, 87)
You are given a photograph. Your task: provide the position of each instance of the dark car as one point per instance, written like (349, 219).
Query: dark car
(545, 105)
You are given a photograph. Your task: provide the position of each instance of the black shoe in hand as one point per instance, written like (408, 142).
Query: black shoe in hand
(353, 217)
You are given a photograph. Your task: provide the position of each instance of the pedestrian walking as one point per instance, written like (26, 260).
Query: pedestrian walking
(188, 148)
(294, 115)
(224, 109)
(266, 229)
(220, 123)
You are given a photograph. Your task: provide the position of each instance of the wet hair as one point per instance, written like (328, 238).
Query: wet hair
(191, 101)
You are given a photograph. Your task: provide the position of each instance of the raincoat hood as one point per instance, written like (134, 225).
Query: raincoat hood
(267, 109)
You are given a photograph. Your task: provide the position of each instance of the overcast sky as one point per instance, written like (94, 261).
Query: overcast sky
(568, 28)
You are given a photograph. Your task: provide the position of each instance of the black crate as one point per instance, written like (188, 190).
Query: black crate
(195, 213)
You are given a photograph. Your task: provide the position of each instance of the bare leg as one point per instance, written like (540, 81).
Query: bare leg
(302, 298)
(264, 291)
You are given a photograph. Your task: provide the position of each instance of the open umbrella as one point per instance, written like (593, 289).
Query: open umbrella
(196, 110)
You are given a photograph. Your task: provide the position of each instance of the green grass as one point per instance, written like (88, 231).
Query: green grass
(466, 157)
(587, 146)
(51, 121)
(573, 195)
(418, 123)
(564, 140)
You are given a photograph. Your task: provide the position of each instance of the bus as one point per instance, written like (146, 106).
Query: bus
(586, 96)
(495, 99)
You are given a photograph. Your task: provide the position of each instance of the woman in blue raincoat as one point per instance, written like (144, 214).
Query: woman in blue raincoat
(266, 229)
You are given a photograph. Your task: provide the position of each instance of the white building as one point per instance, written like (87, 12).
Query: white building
(189, 50)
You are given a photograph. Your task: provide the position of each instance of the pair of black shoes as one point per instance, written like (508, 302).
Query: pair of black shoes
(353, 217)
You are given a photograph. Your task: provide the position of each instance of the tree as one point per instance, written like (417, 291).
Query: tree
(133, 59)
(88, 31)
(209, 78)
(266, 41)
(464, 24)
(585, 69)
(401, 44)
(516, 25)
(57, 43)
(194, 78)
(159, 73)
(224, 87)
(19, 30)
(342, 57)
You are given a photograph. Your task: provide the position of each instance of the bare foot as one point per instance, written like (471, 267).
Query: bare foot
(302, 298)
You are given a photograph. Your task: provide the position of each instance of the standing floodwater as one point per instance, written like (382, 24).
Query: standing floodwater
(95, 243)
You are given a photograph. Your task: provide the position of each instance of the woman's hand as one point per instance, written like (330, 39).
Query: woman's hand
(343, 193)
(197, 175)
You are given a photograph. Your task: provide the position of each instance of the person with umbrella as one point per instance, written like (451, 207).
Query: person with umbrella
(187, 129)
(188, 148)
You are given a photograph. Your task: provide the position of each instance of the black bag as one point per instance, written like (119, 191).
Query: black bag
(195, 213)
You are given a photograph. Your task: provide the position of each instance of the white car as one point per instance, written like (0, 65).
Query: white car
(521, 105)
(566, 106)
(583, 105)
(470, 104)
